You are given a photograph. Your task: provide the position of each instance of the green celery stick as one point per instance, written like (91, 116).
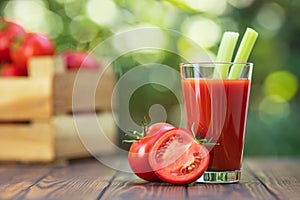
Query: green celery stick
(225, 53)
(243, 52)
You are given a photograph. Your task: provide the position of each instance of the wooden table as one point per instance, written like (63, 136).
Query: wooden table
(262, 178)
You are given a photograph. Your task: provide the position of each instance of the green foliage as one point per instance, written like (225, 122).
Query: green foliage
(277, 49)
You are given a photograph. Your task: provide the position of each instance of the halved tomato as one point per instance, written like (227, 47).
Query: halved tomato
(177, 158)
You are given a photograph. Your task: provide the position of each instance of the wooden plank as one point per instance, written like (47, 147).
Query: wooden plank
(24, 99)
(27, 98)
(280, 176)
(87, 97)
(44, 66)
(129, 186)
(89, 179)
(27, 142)
(68, 142)
(15, 179)
(82, 180)
(248, 188)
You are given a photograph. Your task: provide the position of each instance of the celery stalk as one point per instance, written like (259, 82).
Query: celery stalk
(243, 52)
(225, 53)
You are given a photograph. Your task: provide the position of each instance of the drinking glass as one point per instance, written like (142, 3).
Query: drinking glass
(216, 107)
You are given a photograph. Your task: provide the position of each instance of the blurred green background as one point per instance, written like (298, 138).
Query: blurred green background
(274, 109)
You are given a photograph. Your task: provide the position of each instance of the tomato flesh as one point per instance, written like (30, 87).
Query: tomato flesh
(177, 158)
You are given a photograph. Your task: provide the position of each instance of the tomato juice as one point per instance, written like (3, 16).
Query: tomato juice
(218, 109)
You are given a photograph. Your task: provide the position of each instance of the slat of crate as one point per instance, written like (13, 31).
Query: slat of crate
(68, 137)
(27, 142)
(24, 99)
(28, 98)
(85, 98)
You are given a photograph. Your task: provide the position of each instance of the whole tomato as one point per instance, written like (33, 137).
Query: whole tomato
(32, 44)
(9, 31)
(10, 70)
(159, 127)
(140, 150)
(75, 59)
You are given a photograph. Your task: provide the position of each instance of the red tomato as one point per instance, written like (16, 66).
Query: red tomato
(32, 44)
(74, 60)
(177, 158)
(11, 70)
(8, 32)
(139, 151)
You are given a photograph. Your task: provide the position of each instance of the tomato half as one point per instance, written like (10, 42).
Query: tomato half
(139, 151)
(177, 158)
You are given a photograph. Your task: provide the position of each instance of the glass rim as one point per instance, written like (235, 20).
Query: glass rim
(208, 69)
(216, 62)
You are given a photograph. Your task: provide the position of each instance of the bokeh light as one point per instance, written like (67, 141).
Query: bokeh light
(102, 12)
(148, 56)
(144, 37)
(203, 31)
(271, 16)
(146, 13)
(281, 84)
(273, 108)
(217, 7)
(190, 51)
(73, 8)
(28, 13)
(240, 3)
(83, 29)
(34, 16)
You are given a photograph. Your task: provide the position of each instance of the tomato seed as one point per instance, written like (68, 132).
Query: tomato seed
(183, 170)
(197, 157)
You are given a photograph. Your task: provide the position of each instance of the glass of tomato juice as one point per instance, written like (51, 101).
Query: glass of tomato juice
(216, 107)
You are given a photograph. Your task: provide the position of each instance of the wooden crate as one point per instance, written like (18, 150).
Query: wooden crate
(90, 99)
(69, 142)
(44, 101)
(29, 100)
